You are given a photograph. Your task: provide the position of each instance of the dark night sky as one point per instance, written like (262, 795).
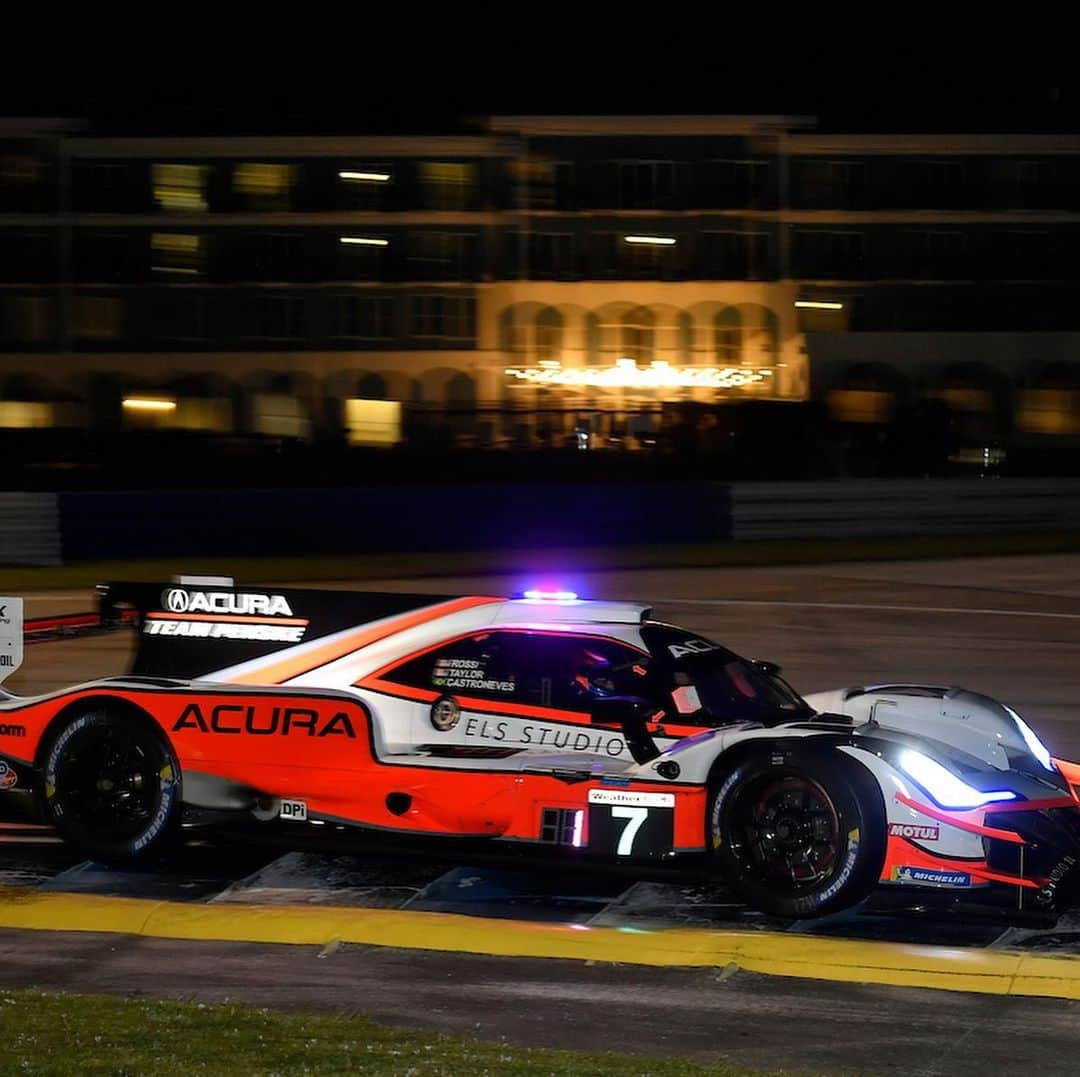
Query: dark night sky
(410, 74)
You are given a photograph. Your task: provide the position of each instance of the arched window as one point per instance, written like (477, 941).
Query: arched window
(371, 387)
(728, 336)
(460, 391)
(638, 337)
(549, 334)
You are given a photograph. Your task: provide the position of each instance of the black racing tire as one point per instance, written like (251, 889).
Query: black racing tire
(112, 786)
(798, 832)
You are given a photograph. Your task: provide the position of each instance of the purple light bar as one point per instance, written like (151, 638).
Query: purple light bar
(551, 596)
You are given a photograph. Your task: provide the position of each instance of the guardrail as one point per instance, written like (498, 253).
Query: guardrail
(68, 527)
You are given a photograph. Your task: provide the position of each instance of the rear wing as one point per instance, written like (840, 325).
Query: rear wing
(189, 630)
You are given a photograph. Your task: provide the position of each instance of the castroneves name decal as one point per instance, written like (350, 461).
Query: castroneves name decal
(179, 600)
(910, 830)
(161, 626)
(240, 718)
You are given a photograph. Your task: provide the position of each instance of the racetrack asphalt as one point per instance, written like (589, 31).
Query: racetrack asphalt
(1008, 627)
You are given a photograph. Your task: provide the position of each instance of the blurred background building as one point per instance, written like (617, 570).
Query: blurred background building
(546, 282)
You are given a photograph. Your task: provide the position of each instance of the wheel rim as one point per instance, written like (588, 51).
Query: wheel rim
(785, 831)
(110, 781)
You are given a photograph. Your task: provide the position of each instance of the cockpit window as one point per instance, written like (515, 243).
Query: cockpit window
(709, 685)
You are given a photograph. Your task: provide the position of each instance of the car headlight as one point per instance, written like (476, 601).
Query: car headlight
(1031, 739)
(944, 786)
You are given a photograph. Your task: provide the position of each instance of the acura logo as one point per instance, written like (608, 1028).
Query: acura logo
(176, 601)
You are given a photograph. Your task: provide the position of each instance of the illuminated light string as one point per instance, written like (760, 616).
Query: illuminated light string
(365, 241)
(626, 374)
(138, 403)
(366, 177)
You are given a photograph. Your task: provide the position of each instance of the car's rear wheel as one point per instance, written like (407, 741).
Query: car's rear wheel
(798, 834)
(112, 786)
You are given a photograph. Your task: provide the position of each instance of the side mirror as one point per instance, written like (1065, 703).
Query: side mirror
(770, 668)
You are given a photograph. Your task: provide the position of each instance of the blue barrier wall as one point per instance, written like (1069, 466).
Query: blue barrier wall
(105, 526)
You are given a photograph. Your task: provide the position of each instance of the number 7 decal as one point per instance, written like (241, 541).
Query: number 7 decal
(634, 818)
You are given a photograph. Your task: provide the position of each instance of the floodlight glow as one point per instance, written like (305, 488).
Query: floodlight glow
(818, 304)
(550, 596)
(651, 241)
(944, 786)
(366, 177)
(142, 403)
(365, 241)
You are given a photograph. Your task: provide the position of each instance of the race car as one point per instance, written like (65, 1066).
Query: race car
(543, 726)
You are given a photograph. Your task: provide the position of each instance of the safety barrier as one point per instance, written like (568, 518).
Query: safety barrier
(29, 529)
(866, 508)
(82, 526)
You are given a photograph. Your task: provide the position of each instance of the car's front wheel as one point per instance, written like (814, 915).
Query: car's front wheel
(112, 786)
(798, 833)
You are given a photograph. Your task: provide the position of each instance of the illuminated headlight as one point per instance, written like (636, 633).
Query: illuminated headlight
(944, 786)
(1031, 739)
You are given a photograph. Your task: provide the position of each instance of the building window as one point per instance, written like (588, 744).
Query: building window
(551, 255)
(646, 184)
(736, 255)
(445, 317)
(829, 254)
(277, 317)
(264, 186)
(29, 319)
(442, 255)
(179, 255)
(99, 317)
(364, 185)
(181, 188)
(638, 335)
(447, 184)
(549, 335)
(728, 336)
(737, 182)
(179, 315)
(362, 317)
(276, 256)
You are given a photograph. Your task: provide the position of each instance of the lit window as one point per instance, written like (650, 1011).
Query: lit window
(25, 415)
(29, 318)
(180, 187)
(99, 317)
(264, 184)
(447, 184)
(177, 254)
(373, 422)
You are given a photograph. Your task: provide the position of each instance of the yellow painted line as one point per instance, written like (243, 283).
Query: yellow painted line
(996, 972)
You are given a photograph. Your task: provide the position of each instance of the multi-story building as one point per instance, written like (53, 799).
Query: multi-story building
(524, 278)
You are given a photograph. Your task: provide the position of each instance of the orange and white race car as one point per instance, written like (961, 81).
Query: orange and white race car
(542, 726)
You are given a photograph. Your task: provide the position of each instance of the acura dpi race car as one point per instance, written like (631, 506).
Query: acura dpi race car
(537, 726)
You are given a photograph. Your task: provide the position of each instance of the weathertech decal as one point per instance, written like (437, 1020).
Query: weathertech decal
(266, 721)
(910, 830)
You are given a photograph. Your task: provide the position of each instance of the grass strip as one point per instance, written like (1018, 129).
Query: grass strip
(50, 1034)
(18, 580)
